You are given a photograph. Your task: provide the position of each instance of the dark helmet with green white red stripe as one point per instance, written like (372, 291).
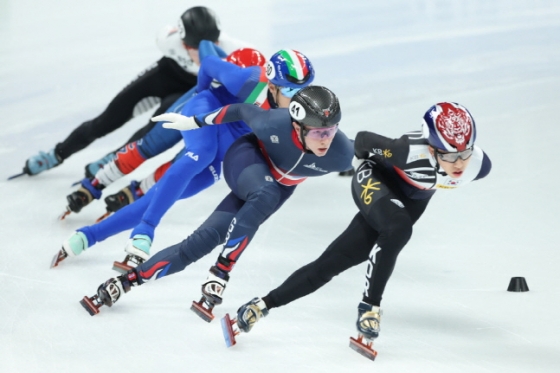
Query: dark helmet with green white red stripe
(290, 68)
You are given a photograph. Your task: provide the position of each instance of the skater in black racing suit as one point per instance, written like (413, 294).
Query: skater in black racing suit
(391, 188)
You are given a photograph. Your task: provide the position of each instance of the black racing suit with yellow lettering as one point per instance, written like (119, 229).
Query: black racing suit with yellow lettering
(391, 189)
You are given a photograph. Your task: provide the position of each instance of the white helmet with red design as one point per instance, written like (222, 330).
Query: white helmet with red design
(449, 126)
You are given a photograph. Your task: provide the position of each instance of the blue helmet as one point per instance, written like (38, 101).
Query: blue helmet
(449, 126)
(289, 68)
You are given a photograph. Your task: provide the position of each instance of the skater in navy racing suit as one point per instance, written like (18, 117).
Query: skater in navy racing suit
(262, 170)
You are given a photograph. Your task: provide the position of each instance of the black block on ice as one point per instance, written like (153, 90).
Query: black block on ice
(518, 284)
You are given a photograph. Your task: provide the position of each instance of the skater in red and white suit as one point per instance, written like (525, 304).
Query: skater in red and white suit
(391, 188)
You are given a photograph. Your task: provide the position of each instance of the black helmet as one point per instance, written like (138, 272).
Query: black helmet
(198, 23)
(315, 106)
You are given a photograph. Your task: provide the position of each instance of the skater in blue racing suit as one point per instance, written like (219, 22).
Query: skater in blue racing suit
(200, 166)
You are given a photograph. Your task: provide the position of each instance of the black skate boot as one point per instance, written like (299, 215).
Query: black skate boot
(369, 318)
(88, 191)
(212, 290)
(109, 292)
(79, 199)
(123, 197)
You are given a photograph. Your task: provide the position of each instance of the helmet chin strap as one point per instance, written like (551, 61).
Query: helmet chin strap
(438, 166)
(302, 137)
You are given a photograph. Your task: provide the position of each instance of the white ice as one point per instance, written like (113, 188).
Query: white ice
(446, 308)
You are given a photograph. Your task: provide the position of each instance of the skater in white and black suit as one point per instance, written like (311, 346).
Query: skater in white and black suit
(391, 188)
(161, 84)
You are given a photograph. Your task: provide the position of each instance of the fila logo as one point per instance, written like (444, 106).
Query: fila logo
(192, 156)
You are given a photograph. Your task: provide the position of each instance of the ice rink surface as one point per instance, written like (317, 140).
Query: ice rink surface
(446, 308)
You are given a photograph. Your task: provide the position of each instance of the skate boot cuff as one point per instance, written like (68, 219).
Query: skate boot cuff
(219, 273)
(128, 280)
(95, 192)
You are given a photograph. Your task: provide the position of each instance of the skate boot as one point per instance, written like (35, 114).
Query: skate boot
(73, 246)
(138, 251)
(110, 292)
(369, 318)
(249, 313)
(123, 197)
(212, 290)
(42, 162)
(82, 197)
(93, 167)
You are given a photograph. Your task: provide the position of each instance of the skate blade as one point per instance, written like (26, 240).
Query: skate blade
(204, 313)
(227, 329)
(364, 349)
(16, 176)
(59, 257)
(64, 214)
(122, 267)
(102, 217)
(90, 306)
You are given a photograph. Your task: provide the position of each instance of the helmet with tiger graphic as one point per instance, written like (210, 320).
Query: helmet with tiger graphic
(449, 126)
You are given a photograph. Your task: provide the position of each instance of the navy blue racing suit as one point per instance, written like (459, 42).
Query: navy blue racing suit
(262, 169)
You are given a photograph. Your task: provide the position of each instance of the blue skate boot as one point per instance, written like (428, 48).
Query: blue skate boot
(42, 162)
(93, 167)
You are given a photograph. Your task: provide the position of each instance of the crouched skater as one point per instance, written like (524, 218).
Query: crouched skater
(262, 169)
(393, 184)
